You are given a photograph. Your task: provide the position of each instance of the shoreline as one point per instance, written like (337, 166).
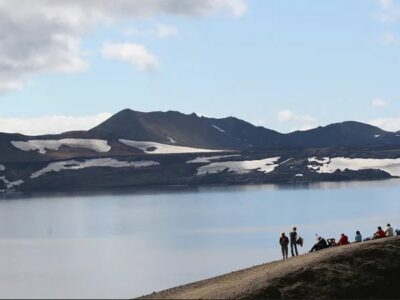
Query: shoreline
(160, 189)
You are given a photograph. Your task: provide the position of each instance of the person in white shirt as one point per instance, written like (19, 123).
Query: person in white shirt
(389, 230)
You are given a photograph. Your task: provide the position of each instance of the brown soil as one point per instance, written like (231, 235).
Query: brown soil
(365, 270)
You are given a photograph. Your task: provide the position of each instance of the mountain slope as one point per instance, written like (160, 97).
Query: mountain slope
(350, 134)
(363, 270)
(187, 130)
(176, 129)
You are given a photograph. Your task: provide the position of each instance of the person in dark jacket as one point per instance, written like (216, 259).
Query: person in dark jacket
(321, 244)
(284, 242)
(293, 242)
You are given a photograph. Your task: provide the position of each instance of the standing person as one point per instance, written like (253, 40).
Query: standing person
(293, 242)
(389, 231)
(358, 238)
(284, 242)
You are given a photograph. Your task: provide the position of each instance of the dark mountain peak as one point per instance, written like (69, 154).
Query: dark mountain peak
(354, 125)
(173, 127)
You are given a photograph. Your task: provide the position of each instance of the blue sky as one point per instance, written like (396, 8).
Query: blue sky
(278, 63)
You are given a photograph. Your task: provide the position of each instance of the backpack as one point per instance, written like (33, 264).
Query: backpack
(397, 231)
(284, 241)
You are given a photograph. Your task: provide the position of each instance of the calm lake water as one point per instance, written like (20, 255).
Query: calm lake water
(126, 245)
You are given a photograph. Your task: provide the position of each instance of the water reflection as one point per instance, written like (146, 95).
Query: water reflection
(127, 244)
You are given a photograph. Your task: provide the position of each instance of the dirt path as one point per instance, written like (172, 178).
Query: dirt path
(249, 282)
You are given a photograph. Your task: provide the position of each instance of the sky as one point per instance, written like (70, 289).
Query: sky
(286, 65)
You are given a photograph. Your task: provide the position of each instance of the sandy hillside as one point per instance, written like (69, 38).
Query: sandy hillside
(365, 270)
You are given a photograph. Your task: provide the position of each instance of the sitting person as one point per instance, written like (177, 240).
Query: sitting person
(358, 237)
(321, 244)
(344, 240)
(389, 231)
(380, 233)
(331, 242)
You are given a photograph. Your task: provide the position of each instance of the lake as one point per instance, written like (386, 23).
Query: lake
(128, 244)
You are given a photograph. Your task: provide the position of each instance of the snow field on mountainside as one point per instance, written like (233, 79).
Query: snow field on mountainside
(240, 167)
(157, 148)
(91, 163)
(43, 146)
(330, 165)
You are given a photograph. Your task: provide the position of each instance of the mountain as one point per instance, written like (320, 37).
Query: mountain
(133, 149)
(346, 134)
(188, 130)
(173, 129)
(232, 133)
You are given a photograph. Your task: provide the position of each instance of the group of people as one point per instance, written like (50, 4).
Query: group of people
(294, 240)
(322, 243)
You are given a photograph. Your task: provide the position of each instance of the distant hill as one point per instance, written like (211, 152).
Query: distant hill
(194, 131)
(172, 129)
(188, 130)
(135, 149)
(350, 134)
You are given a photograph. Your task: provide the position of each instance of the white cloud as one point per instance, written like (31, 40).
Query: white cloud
(298, 122)
(166, 31)
(390, 39)
(44, 36)
(9, 85)
(135, 54)
(161, 31)
(389, 11)
(50, 124)
(378, 102)
(388, 124)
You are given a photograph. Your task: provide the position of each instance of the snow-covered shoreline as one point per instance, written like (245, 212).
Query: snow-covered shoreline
(42, 146)
(91, 163)
(331, 165)
(158, 148)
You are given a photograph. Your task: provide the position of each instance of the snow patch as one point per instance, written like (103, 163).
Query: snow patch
(377, 135)
(240, 167)
(157, 148)
(208, 159)
(11, 184)
(299, 175)
(91, 163)
(219, 129)
(171, 140)
(2, 168)
(43, 145)
(330, 165)
(318, 161)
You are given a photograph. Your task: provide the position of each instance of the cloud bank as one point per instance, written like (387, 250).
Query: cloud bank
(297, 122)
(50, 124)
(132, 53)
(44, 36)
(388, 124)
